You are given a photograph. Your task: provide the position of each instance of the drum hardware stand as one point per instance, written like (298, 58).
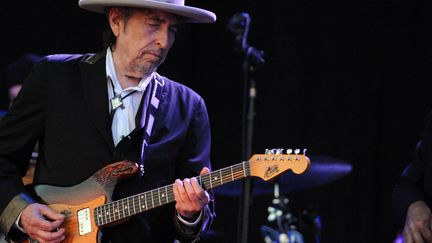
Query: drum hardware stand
(289, 226)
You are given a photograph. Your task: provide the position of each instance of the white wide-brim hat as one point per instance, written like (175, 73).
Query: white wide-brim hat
(192, 14)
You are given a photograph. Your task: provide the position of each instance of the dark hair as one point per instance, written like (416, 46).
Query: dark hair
(108, 36)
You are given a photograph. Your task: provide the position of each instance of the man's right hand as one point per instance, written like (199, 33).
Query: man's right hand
(42, 223)
(417, 227)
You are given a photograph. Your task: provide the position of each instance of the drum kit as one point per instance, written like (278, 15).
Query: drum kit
(286, 221)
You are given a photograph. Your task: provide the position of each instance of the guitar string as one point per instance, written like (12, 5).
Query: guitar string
(120, 213)
(206, 179)
(113, 208)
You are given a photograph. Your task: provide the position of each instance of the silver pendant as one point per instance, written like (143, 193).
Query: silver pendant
(116, 102)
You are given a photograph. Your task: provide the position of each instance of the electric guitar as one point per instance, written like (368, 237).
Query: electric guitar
(88, 205)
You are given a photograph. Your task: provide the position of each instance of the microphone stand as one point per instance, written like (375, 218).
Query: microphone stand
(253, 59)
(247, 135)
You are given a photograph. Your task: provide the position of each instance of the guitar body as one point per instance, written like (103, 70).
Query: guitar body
(78, 202)
(71, 223)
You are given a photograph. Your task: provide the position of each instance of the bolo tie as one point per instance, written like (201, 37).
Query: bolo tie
(156, 85)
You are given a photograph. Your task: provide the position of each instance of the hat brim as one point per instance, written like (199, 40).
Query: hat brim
(191, 14)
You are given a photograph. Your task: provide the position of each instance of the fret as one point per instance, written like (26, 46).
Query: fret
(145, 199)
(215, 178)
(113, 211)
(102, 209)
(105, 213)
(170, 193)
(162, 194)
(221, 178)
(166, 193)
(242, 171)
(144, 206)
(109, 213)
(139, 203)
(159, 196)
(232, 174)
(228, 175)
(207, 181)
(151, 195)
(116, 211)
(96, 215)
(101, 215)
(248, 169)
(119, 208)
(211, 186)
(128, 205)
(122, 208)
(133, 203)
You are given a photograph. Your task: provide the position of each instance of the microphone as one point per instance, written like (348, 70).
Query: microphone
(239, 26)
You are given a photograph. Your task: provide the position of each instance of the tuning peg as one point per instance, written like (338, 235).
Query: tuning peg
(289, 151)
(304, 151)
(296, 151)
(270, 151)
(279, 150)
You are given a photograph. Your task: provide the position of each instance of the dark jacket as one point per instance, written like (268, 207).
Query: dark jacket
(64, 105)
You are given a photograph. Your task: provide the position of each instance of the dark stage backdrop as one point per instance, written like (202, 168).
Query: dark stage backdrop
(347, 79)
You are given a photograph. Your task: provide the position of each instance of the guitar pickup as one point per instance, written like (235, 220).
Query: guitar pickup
(84, 221)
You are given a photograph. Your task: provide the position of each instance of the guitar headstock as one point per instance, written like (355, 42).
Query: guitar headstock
(274, 162)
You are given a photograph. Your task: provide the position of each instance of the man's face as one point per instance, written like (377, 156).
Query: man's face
(143, 41)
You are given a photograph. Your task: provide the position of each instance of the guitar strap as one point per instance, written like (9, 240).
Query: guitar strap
(148, 115)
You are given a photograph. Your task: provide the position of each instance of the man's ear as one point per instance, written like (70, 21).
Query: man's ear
(114, 18)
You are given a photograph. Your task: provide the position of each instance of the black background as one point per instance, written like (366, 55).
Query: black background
(347, 79)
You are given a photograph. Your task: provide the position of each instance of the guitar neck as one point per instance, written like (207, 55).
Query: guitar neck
(118, 210)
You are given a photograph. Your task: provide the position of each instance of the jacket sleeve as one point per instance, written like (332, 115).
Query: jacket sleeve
(195, 154)
(20, 128)
(410, 186)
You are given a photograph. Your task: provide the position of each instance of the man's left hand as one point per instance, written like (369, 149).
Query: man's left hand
(190, 196)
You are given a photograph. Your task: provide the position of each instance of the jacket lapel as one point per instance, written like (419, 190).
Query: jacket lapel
(95, 92)
(143, 109)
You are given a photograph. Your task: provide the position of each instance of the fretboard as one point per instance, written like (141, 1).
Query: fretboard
(129, 206)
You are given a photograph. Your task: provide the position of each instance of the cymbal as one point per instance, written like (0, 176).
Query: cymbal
(322, 170)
